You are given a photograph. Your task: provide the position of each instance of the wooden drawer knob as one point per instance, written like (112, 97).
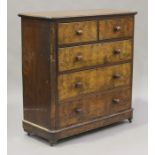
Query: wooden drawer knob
(78, 58)
(117, 28)
(79, 32)
(78, 85)
(78, 110)
(116, 75)
(117, 51)
(116, 100)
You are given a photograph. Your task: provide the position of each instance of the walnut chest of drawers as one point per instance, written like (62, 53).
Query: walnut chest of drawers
(77, 71)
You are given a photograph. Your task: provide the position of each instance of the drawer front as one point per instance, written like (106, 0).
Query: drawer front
(96, 54)
(116, 28)
(77, 32)
(93, 106)
(74, 84)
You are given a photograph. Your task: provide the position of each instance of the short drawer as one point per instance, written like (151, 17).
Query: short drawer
(76, 32)
(95, 54)
(93, 106)
(115, 28)
(74, 84)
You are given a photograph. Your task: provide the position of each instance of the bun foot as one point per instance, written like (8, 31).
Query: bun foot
(53, 142)
(29, 133)
(130, 120)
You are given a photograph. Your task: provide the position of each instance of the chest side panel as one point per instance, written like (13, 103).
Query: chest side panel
(36, 71)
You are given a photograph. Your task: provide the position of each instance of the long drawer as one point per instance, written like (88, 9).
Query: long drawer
(74, 84)
(93, 106)
(94, 54)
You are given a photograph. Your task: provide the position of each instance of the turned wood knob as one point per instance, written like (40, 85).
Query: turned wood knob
(78, 110)
(117, 28)
(116, 75)
(78, 85)
(117, 51)
(79, 32)
(78, 58)
(116, 100)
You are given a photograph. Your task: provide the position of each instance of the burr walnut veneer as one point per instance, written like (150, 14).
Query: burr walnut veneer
(77, 71)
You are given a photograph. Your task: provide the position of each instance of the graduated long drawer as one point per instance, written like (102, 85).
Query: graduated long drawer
(93, 106)
(94, 54)
(74, 84)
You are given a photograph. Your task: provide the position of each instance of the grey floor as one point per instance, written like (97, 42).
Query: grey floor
(122, 139)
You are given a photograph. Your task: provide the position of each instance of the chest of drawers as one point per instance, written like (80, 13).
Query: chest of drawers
(77, 71)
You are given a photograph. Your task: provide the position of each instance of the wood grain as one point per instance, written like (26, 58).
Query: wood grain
(55, 135)
(67, 32)
(63, 97)
(36, 71)
(96, 123)
(93, 80)
(106, 27)
(53, 74)
(94, 54)
(93, 106)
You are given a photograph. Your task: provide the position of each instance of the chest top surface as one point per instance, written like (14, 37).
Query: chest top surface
(76, 13)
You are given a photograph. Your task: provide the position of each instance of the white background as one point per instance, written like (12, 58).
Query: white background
(125, 138)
